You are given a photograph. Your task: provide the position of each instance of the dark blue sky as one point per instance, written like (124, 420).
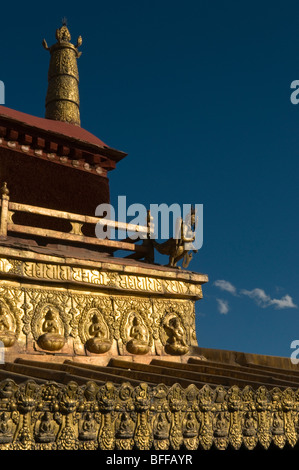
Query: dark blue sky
(198, 94)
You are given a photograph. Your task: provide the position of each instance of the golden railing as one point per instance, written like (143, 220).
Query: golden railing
(8, 209)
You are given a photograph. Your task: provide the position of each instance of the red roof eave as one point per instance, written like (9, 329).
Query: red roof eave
(60, 130)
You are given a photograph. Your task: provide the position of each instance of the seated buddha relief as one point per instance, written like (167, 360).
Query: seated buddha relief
(7, 335)
(6, 428)
(176, 342)
(52, 338)
(99, 338)
(46, 428)
(138, 342)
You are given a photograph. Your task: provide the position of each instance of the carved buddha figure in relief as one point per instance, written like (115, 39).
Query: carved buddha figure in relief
(278, 424)
(176, 343)
(88, 431)
(99, 341)
(6, 336)
(6, 428)
(51, 339)
(161, 430)
(190, 426)
(138, 334)
(50, 324)
(97, 328)
(46, 428)
(4, 325)
(250, 425)
(126, 427)
(221, 426)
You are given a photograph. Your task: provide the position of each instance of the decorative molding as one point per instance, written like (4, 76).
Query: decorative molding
(53, 416)
(55, 157)
(126, 282)
(73, 319)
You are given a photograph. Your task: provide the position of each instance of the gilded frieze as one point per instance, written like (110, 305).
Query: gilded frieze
(99, 278)
(75, 322)
(122, 417)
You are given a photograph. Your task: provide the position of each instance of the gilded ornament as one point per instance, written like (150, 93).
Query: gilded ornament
(180, 247)
(176, 341)
(51, 339)
(99, 341)
(62, 100)
(45, 430)
(7, 428)
(138, 344)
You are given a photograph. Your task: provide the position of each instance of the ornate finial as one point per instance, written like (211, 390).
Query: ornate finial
(62, 101)
(63, 34)
(4, 189)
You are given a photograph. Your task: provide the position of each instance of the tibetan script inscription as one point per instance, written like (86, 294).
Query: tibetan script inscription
(141, 283)
(66, 273)
(63, 273)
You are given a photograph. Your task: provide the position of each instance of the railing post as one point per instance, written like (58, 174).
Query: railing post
(149, 224)
(4, 210)
(148, 242)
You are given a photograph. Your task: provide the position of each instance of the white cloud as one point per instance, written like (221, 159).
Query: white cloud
(259, 295)
(285, 302)
(223, 306)
(226, 285)
(264, 300)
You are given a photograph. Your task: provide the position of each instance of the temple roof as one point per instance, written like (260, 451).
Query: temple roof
(62, 142)
(63, 129)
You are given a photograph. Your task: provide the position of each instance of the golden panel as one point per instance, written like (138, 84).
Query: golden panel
(76, 322)
(52, 416)
(58, 272)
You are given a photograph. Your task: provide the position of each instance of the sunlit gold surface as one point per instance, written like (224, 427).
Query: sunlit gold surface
(76, 313)
(122, 417)
(62, 100)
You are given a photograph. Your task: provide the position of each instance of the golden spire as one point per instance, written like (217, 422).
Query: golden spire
(62, 100)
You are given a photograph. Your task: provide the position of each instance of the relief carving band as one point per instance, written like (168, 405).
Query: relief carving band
(36, 320)
(159, 417)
